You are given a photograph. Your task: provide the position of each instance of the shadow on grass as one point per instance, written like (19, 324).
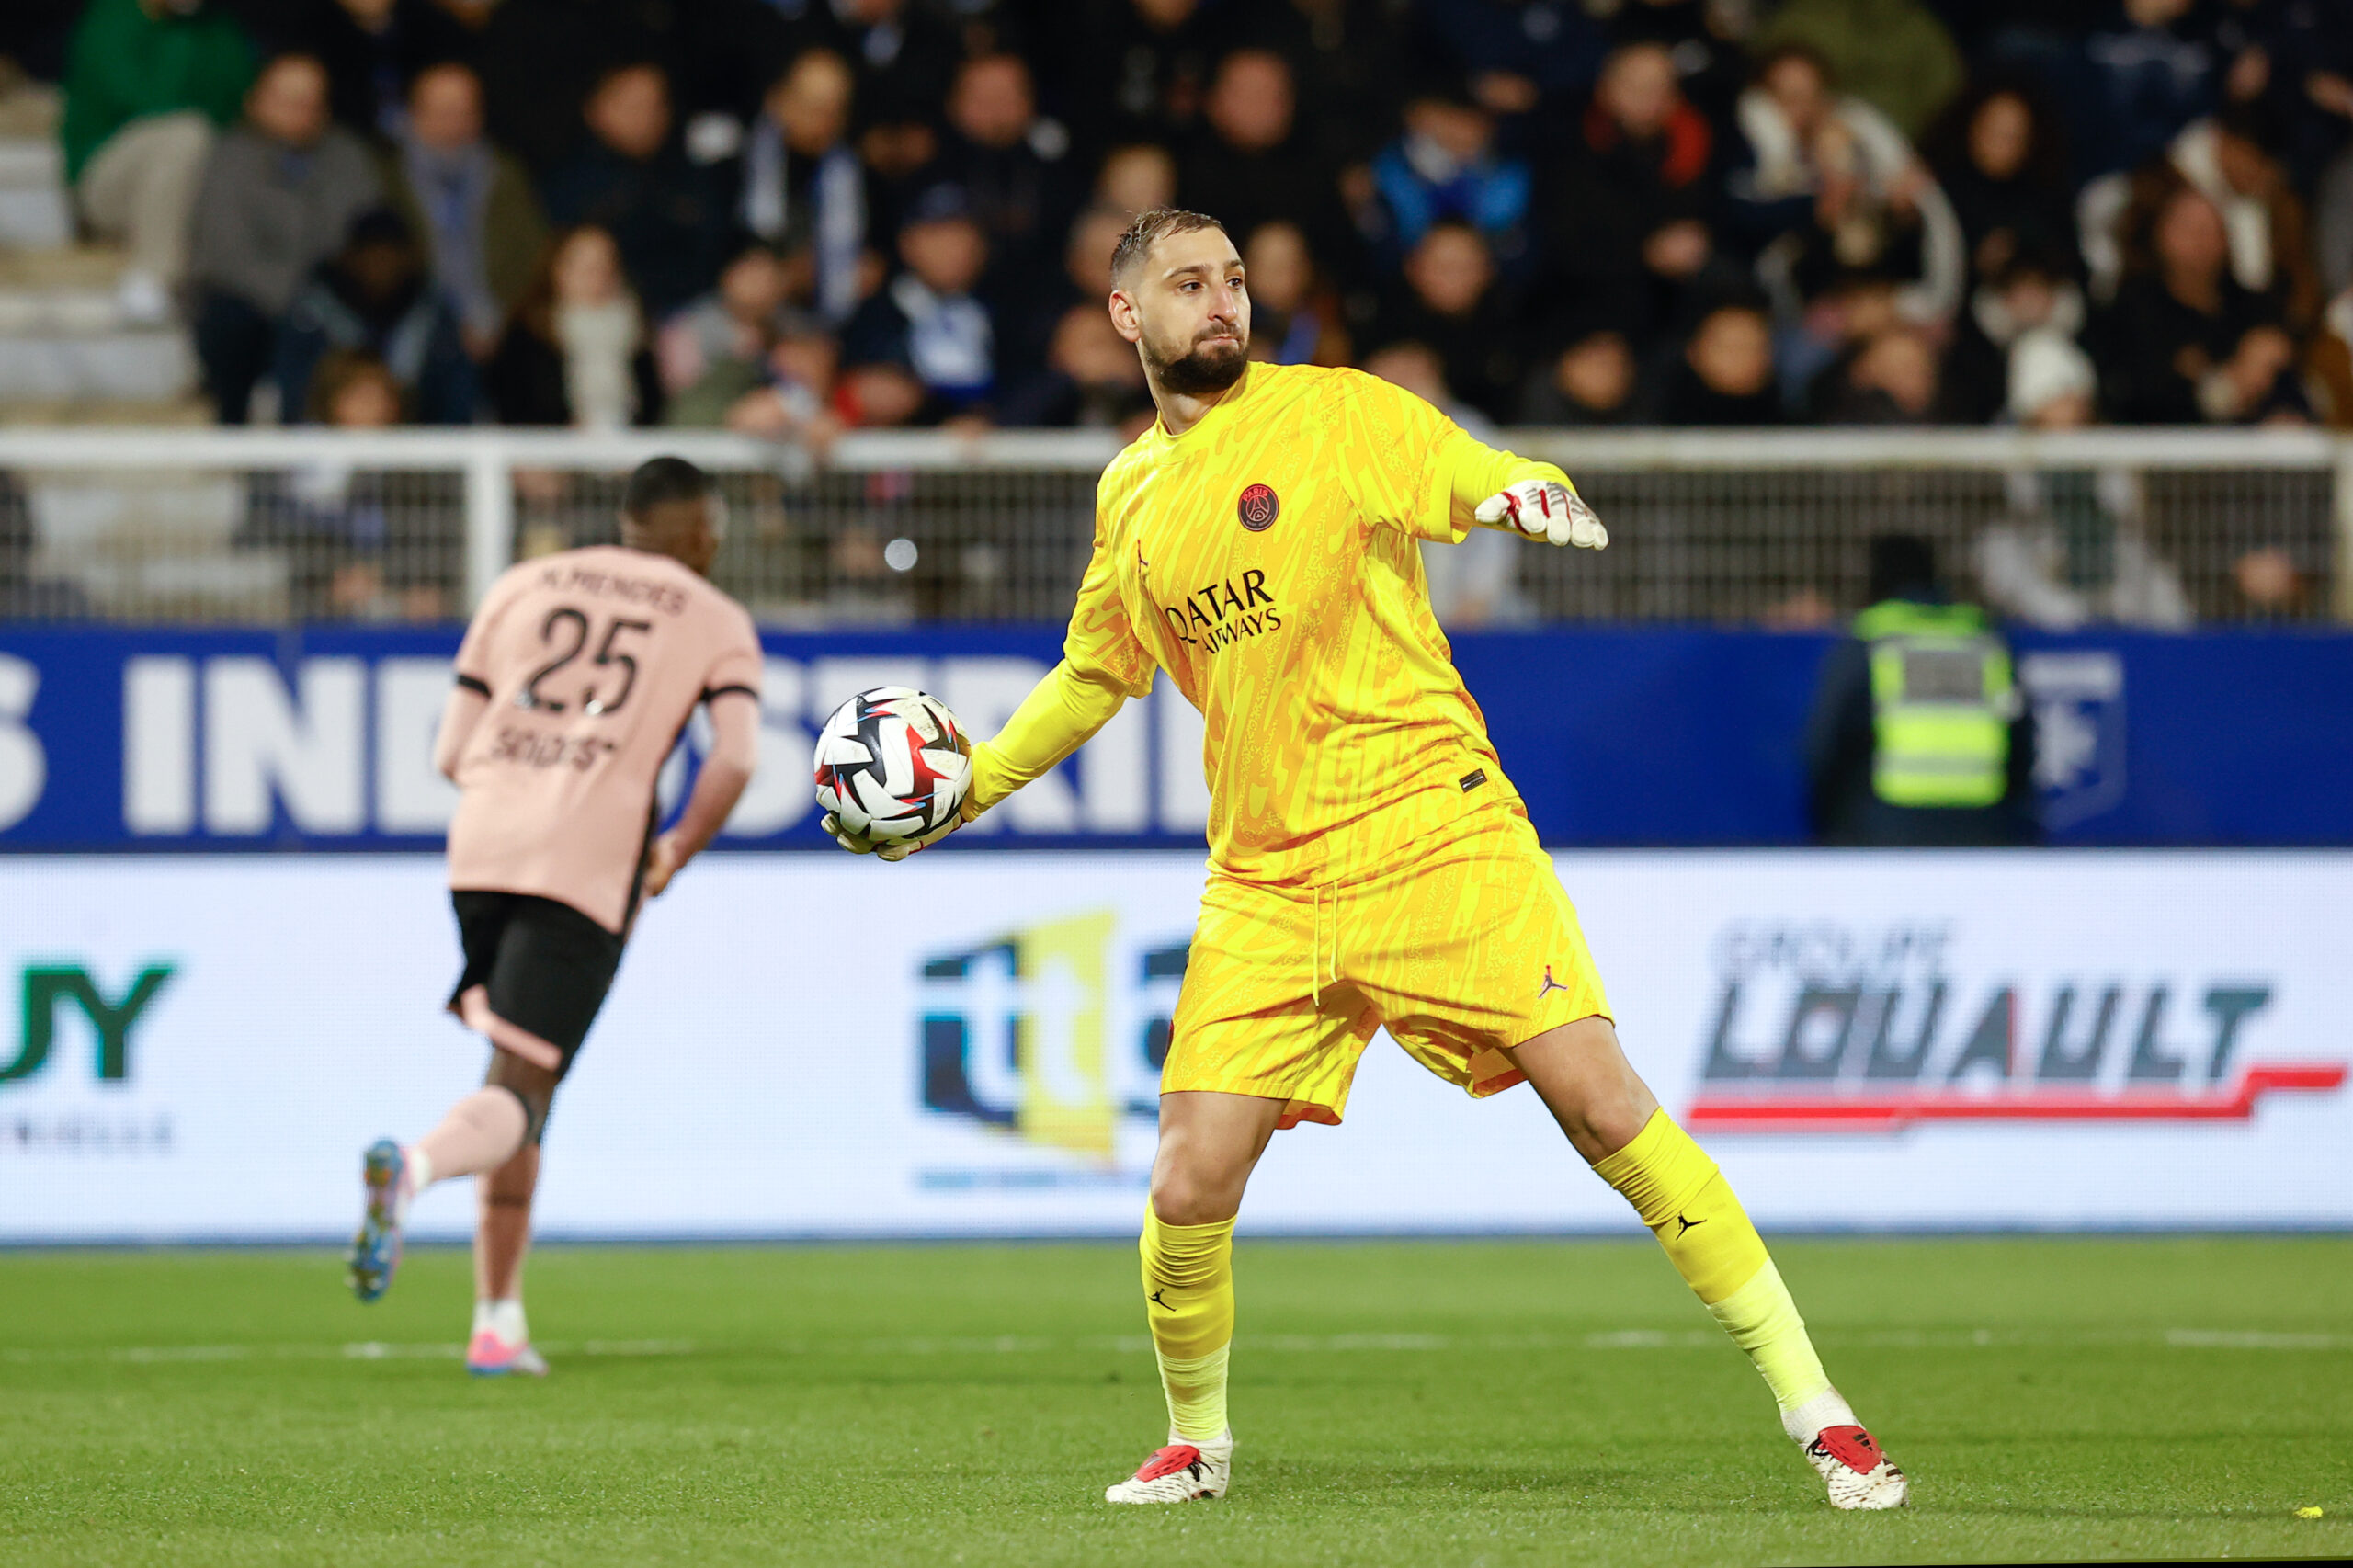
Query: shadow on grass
(1278, 1481)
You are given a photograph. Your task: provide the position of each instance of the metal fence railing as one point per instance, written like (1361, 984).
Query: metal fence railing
(2159, 528)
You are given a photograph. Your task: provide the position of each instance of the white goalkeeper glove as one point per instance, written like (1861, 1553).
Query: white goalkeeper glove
(892, 848)
(1545, 509)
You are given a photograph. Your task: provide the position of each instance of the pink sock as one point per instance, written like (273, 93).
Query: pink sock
(482, 1132)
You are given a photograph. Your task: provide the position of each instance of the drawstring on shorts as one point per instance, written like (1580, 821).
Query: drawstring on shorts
(1315, 981)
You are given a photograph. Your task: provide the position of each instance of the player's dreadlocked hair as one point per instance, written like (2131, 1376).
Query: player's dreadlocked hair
(658, 480)
(1148, 229)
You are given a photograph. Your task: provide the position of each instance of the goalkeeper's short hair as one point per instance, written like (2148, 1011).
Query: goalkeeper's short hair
(1148, 229)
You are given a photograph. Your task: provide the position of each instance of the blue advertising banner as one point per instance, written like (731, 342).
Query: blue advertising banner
(321, 738)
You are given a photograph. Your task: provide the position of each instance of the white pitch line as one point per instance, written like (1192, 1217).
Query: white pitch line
(2251, 1339)
(361, 1350)
(1275, 1344)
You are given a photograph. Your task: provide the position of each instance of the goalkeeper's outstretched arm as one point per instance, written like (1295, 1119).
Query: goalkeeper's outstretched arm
(1060, 714)
(1517, 495)
(1424, 473)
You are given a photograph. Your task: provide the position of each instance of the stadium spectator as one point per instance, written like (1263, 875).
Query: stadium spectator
(358, 543)
(540, 61)
(2134, 79)
(279, 193)
(147, 83)
(1012, 164)
(904, 54)
(576, 351)
(1086, 259)
(1592, 380)
(1645, 211)
(1027, 335)
(1704, 38)
(743, 359)
(1724, 375)
(1250, 165)
(1134, 71)
(2330, 361)
(1092, 379)
(2234, 159)
(1452, 304)
(376, 296)
(1294, 318)
(1347, 57)
(633, 181)
(2032, 308)
(927, 322)
(789, 397)
(1901, 751)
(2051, 383)
(1137, 178)
(726, 334)
(1889, 378)
(799, 187)
(1894, 54)
(392, 537)
(2184, 342)
(353, 390)
(1828, 188)
(372, 50)
(1444, 166)
(1516, 54)
(878, 397)
(1838, 323)
(472, 203)
(1997, 155)
(1628, 204)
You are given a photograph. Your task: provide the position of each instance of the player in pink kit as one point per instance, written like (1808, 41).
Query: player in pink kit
(573, 683)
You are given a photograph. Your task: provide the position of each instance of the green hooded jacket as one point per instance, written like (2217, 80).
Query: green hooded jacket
(1894, 54)
(126, 64)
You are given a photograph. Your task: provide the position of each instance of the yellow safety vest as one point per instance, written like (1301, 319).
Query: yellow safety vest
(1943, 698)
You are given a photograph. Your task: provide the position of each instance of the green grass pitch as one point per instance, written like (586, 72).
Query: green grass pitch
(1476, 1402)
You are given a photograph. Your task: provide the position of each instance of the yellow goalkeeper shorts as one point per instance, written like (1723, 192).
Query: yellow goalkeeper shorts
(1465, 949)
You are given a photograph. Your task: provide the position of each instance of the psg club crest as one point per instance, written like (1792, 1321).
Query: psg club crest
(1258, 508)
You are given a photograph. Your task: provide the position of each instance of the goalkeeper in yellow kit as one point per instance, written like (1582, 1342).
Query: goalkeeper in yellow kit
(1371, 865)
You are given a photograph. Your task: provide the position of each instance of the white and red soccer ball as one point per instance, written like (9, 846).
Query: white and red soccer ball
(890, 765)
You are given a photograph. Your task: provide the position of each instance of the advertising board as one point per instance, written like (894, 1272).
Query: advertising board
(198, 1047)
(321, 738)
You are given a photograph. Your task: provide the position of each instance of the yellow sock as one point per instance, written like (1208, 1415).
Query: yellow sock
(1188, 1295)
(1691, 1209)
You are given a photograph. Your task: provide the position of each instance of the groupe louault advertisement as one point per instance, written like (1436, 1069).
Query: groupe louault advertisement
(808, 1045)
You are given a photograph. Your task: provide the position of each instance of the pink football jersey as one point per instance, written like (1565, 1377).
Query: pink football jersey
(593, 661)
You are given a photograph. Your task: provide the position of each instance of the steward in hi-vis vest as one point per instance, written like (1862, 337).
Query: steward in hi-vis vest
(1919, 735)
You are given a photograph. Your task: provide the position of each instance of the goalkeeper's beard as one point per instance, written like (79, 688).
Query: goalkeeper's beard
(1203, 368)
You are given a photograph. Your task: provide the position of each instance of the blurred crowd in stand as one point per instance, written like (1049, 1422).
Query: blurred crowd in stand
(788, 218)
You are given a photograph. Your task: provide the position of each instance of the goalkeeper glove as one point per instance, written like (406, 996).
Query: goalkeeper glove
(889, 848)
(1545, 509)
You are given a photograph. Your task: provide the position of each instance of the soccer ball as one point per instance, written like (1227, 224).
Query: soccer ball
(890, 765)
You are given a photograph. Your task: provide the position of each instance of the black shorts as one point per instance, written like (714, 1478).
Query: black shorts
(546, 967)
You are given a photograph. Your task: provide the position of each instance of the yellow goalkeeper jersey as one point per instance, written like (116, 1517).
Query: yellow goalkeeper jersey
(1268, 560)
